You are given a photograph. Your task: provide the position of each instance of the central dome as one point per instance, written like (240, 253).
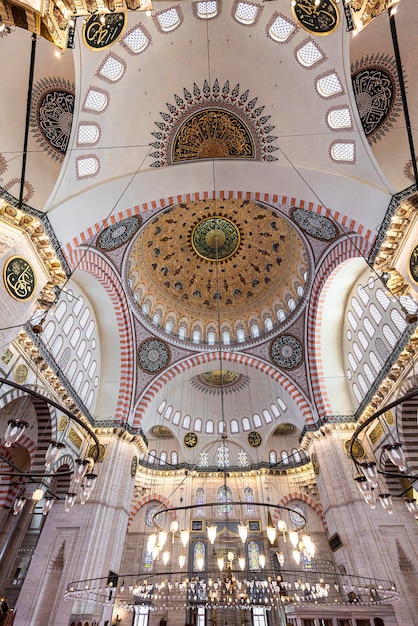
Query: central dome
(237, 260)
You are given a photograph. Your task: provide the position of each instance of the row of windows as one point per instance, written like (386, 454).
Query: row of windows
(373, 332)
(280, 30)
(223, 457)
(275, 411)
(70, 338)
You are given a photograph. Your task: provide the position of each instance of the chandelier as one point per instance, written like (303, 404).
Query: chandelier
(369, 471)
(37, 486)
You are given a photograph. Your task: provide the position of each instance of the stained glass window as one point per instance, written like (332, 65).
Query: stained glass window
(224, 496)
(249, 499)
(199, 499)
(253, 554)
(198, 553)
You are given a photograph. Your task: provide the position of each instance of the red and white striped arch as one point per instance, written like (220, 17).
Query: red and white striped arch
(229, 357)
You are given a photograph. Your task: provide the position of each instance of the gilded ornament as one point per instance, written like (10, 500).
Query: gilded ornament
(99, 34)
(162, 432)
(190, 440)
(413, 264)
(62, 423)
(376, 433)
(92, 452)
(20, 374)
(318, 18)
(254, 439)
(357, 449)
(75, 438)
(7, 356)
(284, 429)
(19, 278)
(215, 238)
(134, 465)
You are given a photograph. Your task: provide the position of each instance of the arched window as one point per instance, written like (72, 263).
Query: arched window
(174, 458)
(168, 412)
(352, 320)
(266, 414)
(198, 425)
(274, 409)
(234, 426)
(223, 455)
(199, 554)
(199, 499)
(210, 427)
(75, 337)
(163, 458)
(375, 361)
(362, 338)
(357, 351)
(272, 457)
(162, 407)
(369, 373)
(329, 85)
(309, 54)
(57, 345)
(284, 457)
(296, 455)
(186, 421)
(246, 423)
(363, 383)
(207, 10)
(364, 296)
(382, 298)
(136, 40)
(60, 312)
(281, 29)
(257, 420)
(223, 498)
(268, 324)
(370, 329)
(389, 335)
(352, 361)
(48, 331)
(169, 20)
(242, 458)
(249, 499)
(357, 392)
(253, 556)
(375, 313)
(398, 320)
(357, 307)
(176, 418)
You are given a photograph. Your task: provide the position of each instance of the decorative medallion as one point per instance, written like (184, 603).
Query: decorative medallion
(358, 450)
(389, 418)
(19, 278)
(314, 224)
(413, 264)
(134, 465)
(92, 451)
(377, 93)
(20, 374)
(7, 356)
(98, 35)
(287, 352)
(52, 115)
(315, 464)
(215, 238)
(153, 355)
(213, 123)
(162, 432)
(254, 439)
(295, 515)
(319, 18)
(212, 134)
(283, 430)
(118, 234)
(190, 440)
(152, 510)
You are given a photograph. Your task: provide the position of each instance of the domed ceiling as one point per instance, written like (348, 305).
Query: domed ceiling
(237, 259)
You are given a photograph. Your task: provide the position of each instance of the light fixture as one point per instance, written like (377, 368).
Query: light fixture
(15, 429)
(211, 531)
(396, 455)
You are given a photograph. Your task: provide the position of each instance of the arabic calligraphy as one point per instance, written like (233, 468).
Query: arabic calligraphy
(212, 134)
(190, 440)
(98, 35)
(320, 20)
(19, 278)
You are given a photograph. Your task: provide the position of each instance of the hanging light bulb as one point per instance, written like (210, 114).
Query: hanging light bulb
(200, 562)
(18, 505)
(162, 538)
(261, 560)
(122, 587)
(411, 505)
(53, 451)
(47, 505)
(243, 532)
(282, 526)
(37, 494)
(296, 556)
(363, 486)
(271, 534)
(396, 455)
(166, 557)
(280, 558)
(370, 472)
(174, 526)
(184, 537)
(69, 501)
(15, 429)
(211, 530)
(151, 542)
(221, 562)
(293, 538)
(182, 560)
(80, 469)
(241, 562)
(89, 482)
(84, 495)
(155, 552)
(386, 502)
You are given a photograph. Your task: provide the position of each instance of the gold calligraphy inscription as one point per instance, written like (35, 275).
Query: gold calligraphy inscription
(212, 134)
(99, 34)
(321, 19)
(75, 438)
(19, 278)
(7, 356)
